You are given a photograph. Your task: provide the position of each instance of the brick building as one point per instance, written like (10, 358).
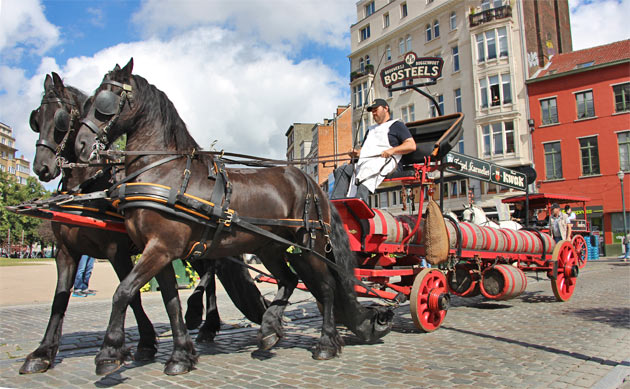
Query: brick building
(580, 107)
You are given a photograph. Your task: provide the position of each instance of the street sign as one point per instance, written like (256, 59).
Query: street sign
(486, 171)
(412, 67)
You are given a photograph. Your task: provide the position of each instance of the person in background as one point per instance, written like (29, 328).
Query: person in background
(559, 225)
(626, 243)
(519, 212)
(82, 279)
(570, 213)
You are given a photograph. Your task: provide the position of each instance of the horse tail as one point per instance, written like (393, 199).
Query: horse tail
(341, 253)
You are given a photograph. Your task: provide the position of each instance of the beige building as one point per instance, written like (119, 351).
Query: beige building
(17, 167)
(484, 47)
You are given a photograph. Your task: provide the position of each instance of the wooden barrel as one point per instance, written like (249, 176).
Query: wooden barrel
(502, 282)
(409, 222)
(473, 237)
(494, 239)
(514, 242)
(463, 281)
(451, 229)
(395, 228)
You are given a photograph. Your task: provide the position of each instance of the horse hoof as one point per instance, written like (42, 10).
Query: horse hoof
(144, 354)
(32, 366)
(205, 337)
(267, 342)
(107, 367)
(322, 355)
(176, 368)
(193, 319)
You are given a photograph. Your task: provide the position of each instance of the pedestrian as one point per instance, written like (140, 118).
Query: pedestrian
(570, 213)
(559, 225)
(82, 279)
(384, 145)
(519, 212)
(626, 243)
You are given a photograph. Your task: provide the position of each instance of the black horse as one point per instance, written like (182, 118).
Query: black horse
(60, 109)
(278, 197)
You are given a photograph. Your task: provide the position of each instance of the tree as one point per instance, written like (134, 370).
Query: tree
(12, 193)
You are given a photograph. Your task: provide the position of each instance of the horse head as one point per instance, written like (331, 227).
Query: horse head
(110, 113)
(55, 120)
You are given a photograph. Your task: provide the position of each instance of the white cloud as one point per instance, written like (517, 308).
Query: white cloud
(243, 95)
(595, 23)
(24, 30)
(276, 21)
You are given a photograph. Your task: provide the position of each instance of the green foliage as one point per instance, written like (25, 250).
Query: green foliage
(12, 193)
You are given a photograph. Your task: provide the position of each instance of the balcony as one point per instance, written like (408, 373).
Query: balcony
(369, 69)
(489, 15)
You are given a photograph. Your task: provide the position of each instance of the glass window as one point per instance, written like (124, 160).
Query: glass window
(453, 20)
(622, 97)
(460, 146)
(428, 29)
(509, 137)
(503, 42)
(361, 65)
(490, 43)
(365, 33)
(549, 111)
(481, 48)
(585, 108)
(403, 10)
(367, 60)
(494, 90)
(440, 100)
(623, 138)
(436, 29)
(388, 53)
(590, 157)
(382, 200)
(455, 52)
(369, 9)
(386, 20)
(497, 138)
(485, 5)
(506, 89)
(409, 43)
(486, 140)
(458, 100)
(412, 113)
(404, 115)
(401, 46)
(483, 87)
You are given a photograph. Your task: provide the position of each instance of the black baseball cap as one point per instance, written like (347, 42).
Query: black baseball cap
(555, 205)
(377, 103)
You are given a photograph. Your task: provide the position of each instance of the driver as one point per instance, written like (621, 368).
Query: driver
(384, 145)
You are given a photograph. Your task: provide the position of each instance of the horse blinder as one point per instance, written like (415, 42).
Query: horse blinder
(106, 103)
(62, 120)
(33, 120)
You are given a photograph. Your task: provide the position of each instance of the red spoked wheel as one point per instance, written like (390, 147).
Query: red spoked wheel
(579, 243)
(429, 299)
(564, 283)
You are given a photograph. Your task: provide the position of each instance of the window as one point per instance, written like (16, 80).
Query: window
(499, 92)
(359, 93)
(367, 60)
(401, 46)
(585, 108)
(590, 157)
(487, 44)
(440, 101)
(369, 9)
(485, 5)
(429, 32)
(436, 29)
(382, 200)
(364, 33)
(584, 65)
(403, 10)
(460, 146)
(455, 52)
(408, 113)
(623, 138)
(498, 138)
(361, 65)
(453, 20)
(408, 40)
(549, 111)
(458, 100)
(388, 53)
(386, 20)
(622, 97)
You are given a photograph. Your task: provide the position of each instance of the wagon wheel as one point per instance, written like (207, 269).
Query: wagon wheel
(579, 243)
(566, 257)
(429, 299)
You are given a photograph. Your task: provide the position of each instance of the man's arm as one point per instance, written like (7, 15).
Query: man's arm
(406, 147)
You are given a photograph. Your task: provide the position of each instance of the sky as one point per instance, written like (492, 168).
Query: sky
(239, 72)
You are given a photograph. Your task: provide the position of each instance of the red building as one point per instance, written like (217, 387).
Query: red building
(580, 107)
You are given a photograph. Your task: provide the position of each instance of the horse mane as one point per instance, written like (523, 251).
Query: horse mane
(160, 109)
(80, 96)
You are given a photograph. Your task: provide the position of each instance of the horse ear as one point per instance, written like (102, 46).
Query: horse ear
(48, 82)
(57, 80)
(128, 69)
(116, 68)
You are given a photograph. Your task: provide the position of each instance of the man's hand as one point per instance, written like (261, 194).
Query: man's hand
(387, 153)
(354, 153)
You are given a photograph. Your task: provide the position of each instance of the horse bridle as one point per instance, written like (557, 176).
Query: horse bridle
(107, 103)
(64, 122)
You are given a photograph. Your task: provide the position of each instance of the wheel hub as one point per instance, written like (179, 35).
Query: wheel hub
(439, 300)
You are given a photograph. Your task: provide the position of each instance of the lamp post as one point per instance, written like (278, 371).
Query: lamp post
(620, 175)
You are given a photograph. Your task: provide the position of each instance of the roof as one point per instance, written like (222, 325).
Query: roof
(540, 200)
(594, 57)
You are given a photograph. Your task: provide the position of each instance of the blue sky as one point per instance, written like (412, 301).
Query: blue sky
(238, 71)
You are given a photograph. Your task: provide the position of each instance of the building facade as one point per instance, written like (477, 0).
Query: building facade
(485, 46)
(19, 168)
(580, 107)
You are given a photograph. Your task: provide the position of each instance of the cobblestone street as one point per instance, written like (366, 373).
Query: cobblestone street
(532, 341)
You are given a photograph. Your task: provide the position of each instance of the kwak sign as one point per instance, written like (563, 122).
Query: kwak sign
(486, 171)
(412, 67)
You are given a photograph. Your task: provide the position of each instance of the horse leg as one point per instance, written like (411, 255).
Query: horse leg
(147, 345)
(194, 309)
(212, 324)
(42, 358)
(271, 330)
(184, 355)
(320, 282)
